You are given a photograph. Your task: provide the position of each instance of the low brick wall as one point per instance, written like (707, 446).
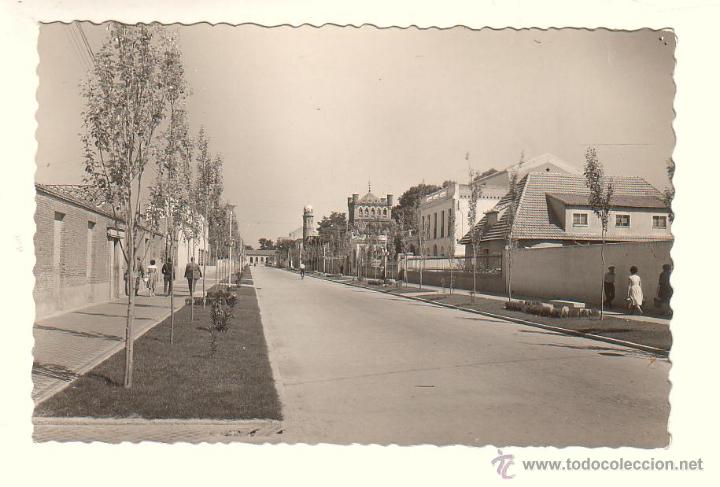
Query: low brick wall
(461, 280)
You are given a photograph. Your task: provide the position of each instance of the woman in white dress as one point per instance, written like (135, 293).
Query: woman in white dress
(635, 294)
(152, 277)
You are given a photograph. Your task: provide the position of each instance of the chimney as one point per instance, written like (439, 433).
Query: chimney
(390, 200)
(491, 217)
(355, 197)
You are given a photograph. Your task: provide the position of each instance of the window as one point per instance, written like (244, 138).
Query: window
(435, 227)
(90, 249)
(57, 240)
(384, 211)
(580, 219)
(622, 221)
(659, 222)
(442, 224)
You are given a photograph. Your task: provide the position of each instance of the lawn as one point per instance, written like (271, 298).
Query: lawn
(183, 380)
(650, 334)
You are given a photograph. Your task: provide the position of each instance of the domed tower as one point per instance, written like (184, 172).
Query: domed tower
(308, 222)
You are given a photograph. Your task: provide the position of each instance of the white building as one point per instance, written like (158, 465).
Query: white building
(443, 220)
(444, 213)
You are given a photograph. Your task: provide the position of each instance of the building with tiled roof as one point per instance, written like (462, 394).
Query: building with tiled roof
(552, 209)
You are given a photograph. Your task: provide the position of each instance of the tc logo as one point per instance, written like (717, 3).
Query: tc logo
(504, 462)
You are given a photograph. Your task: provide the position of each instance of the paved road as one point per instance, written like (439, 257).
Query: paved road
(355, 365)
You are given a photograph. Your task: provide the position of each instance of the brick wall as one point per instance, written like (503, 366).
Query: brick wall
(68, 284)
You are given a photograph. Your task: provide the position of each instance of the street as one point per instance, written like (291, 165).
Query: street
(357, 366)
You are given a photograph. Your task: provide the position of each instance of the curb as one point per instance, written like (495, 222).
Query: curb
(95, 361)
(565, 331)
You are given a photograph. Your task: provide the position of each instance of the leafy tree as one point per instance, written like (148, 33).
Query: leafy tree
(126, 99)
(208, 189)
(406, 211)
(600, 200)
(669, 192)
(511, 211)
(476, 233)
(266, 244)
(170, 196)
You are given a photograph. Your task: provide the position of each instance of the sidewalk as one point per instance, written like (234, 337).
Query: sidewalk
(70, 344)
(426, 289)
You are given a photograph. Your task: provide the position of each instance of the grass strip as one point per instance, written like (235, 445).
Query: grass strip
(183, 380)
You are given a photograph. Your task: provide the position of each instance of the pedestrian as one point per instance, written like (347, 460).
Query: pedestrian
(609, 287)
(168, 272)
(152, 277)
(192, 274)
(665, 290)
(139, 275)
(302, 270)
(635, 293)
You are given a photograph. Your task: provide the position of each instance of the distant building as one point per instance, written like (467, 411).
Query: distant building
(260, 256)
(443, 217)
(553, 210)
(369, 208)
(308, 228)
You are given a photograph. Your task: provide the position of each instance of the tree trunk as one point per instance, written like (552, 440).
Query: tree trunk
(509, 254)
(171, 289)
(474, 264)
(602, 281)
(205, 254)
(130, 237)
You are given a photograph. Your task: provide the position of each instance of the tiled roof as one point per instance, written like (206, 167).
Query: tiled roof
(619, 201)
(533, 219)
(83, 195)
(369, 198)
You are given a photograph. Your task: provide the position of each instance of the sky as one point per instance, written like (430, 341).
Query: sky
(311, 115)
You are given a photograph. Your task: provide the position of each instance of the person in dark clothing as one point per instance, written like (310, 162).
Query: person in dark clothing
(665, 290)
(168, 272)
(192, 274)
(609, 286)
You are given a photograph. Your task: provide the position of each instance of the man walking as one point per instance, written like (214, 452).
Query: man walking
(192, 274)
(168, 272)
(609, 287)
(302, 271)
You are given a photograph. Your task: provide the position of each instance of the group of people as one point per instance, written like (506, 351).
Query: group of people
(635, 298)
(150, 276)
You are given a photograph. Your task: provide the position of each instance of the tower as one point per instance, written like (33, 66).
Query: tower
(308, 222)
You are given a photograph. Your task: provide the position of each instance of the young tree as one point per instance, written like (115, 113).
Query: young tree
(126, 99)
(669, 192)
(600, 200)
(170, 196)
(208, 190)
(476, 190)
(511, 211)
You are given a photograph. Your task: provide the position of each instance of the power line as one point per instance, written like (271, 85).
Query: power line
(85, 41)
(78, 51)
